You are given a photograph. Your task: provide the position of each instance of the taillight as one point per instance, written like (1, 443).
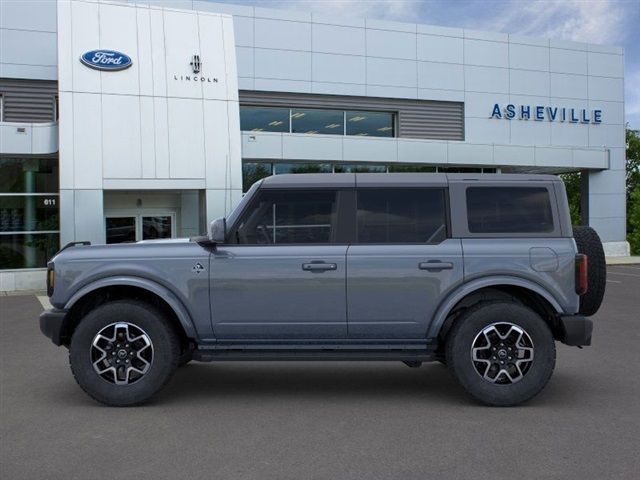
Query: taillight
(582, 274)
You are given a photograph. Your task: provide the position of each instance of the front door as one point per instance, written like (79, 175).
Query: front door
(282, 273)
(401, 264)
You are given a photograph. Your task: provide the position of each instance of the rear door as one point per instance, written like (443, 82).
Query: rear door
(401, 263)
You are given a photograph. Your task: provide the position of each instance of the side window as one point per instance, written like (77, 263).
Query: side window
(289, 216)
(509, 210)
(390, 215)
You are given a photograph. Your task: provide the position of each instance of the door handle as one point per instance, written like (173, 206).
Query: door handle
(319, 266)
(435, 266)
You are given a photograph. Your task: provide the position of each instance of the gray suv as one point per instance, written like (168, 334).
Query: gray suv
(482, 273)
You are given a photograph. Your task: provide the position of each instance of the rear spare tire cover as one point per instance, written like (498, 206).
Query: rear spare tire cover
(588, 242)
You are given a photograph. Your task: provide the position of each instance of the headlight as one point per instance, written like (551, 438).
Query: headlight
(51, 278)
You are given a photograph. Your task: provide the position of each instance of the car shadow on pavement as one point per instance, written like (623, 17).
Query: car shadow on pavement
(311, 380)
(432, 383)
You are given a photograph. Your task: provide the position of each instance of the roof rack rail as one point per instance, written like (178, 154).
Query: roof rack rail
(74, 244)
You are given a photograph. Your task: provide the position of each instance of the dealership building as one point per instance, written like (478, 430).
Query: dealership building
(130, 121)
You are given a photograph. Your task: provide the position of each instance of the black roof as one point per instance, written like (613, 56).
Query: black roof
(311, 180)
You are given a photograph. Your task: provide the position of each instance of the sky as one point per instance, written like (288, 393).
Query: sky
(607, 22)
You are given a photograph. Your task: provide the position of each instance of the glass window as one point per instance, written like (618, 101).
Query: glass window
(31, 250)
(121, 229)
(401, 215)
(372, 124)
(460, 169)
(28, 175)
(291, 216)
(411, 168)
(252, 172)
(28, 213)
(509, 210)
(264, 119)
(317, 121)
(302, 168)
(361, 168)
(156, 227)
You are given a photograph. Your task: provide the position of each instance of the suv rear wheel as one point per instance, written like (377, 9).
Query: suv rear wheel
(123, 352)
(502, 353)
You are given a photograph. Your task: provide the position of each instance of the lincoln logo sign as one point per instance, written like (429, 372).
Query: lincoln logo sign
(551, 114)
(108, 60)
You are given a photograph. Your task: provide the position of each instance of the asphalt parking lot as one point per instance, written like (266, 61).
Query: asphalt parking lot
(325, 420)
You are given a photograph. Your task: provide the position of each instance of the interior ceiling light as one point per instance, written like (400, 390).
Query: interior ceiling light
(312, 131)
(362, 134)
(356, 119)
(384, 129)
(275, 123)
(333, 125)
(298, 115)
(257, 129)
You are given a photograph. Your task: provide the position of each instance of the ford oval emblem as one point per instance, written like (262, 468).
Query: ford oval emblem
(108, 60)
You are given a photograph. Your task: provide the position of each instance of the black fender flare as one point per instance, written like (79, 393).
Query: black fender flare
(164, 293)
(465, 289)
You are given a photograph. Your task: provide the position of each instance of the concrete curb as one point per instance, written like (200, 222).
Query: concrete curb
(632, 260)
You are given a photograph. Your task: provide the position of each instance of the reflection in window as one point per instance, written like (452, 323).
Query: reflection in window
(29, 219)
(28, 175)
(28, 213)
(30, 250)
(363, 168)
(156, 227)
(372, 124)
(390, 215)
(252, 172)
(280, 168)
(289, 217)
(264, 119)
(317, 121)
(460, 169)
(120, 229)
(509, 210)
(412, 168)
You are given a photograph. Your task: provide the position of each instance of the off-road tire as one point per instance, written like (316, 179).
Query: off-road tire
(166, 352)
(588, 242)
(459, 350)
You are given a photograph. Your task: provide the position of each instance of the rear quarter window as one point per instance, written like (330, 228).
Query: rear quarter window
(509, 210)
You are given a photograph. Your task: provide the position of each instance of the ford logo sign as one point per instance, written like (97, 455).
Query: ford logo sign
(108, 60)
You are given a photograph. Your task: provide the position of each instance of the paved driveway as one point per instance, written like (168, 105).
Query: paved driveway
(325, 420)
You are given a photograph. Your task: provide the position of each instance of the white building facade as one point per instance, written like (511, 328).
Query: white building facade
(129, 121)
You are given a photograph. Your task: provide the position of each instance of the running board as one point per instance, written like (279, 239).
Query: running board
(312, 352)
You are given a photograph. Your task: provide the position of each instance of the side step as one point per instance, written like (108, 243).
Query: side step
(308, 352)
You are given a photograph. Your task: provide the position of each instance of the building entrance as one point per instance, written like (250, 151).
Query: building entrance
(127, 228)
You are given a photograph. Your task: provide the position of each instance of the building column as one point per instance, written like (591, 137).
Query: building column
(81, 216)
(606, 204)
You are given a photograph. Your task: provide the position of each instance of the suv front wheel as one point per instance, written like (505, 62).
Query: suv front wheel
(123, 352)
(502, 353)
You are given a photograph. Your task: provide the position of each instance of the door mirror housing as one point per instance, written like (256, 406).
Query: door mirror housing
(218, 230)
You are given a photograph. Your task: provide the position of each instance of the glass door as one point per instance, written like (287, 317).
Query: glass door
(124, 228)
(157, 226)
(121, 229)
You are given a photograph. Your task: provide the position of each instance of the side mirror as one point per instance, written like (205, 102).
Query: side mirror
(218, 230)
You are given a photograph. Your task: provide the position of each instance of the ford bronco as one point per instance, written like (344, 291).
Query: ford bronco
(480, 272)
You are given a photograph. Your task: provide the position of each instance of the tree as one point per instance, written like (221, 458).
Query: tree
(633, 161)
(633, 190)
(572, 182)
(633, 221)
